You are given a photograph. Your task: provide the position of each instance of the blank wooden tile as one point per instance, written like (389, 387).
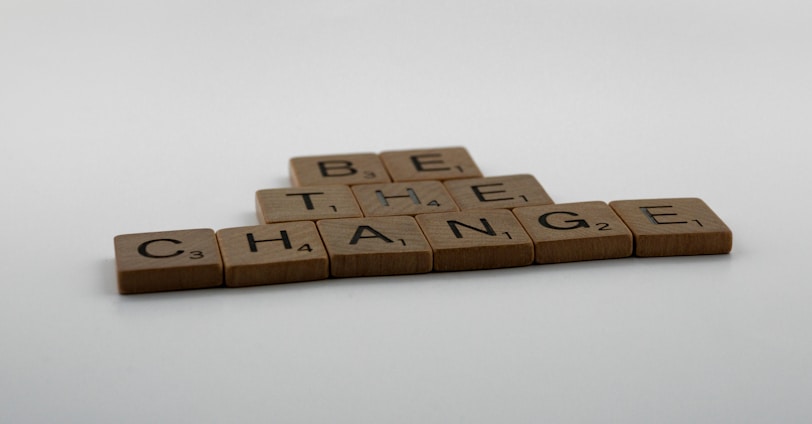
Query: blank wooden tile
(575, 232)
(471, 240)
(501, 192)
(672, 227)
(306, 204)
(359, 168)
(410, 198)
(430, 164)
(272, 254)
(167, 260)
(361, 247)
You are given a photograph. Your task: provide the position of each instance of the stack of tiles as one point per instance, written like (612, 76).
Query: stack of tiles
(410, 212)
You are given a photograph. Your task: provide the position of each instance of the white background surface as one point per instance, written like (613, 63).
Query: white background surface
(121, 117)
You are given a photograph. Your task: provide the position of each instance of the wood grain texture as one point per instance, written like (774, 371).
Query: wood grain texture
(575, 232)
(430, 164)
(470, 240)
(361, 247)
(409, 198)
(348, 169)
(306, 204)
(272, 254)
(674, 227)
(499, 192)
(167, 260)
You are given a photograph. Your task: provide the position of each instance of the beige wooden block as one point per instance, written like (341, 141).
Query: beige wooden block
(348, 169)
(471, 240)
(306, 204)
(272, 254)
(500, 192)
(572, 232)
(361, 247)
(410, 198)
(430, 164)
(673, 227)
(167, 260)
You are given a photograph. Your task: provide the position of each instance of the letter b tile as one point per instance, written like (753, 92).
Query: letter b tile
(360, 168)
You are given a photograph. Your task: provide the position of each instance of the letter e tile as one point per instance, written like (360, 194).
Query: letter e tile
(502, 192)
(430, 164)
(673, 227)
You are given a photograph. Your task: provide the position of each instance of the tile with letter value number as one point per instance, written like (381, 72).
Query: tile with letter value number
(306, 204)
(358, 168)
(470, 240)
(674, 227)
(168, 260)
(430, 164)
(572, 232)
(500, 192)
(409, 198)
(272, 254)
(361, 247)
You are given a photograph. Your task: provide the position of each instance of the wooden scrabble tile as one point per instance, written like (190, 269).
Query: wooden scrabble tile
(430, 164)
(359, 168)
(502, 192)
(306, 204)
(167, 260)
(272, 254)
(672, 227)
(360, 247)
(410, 198)
(575, 232)
(471, 240)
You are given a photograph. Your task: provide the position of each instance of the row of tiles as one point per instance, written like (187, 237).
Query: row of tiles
(442, 163)
(449, 241)
(412, 198)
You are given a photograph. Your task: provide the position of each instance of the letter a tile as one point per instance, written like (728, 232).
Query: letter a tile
(430, 164)
(272, 254)
(362, 247)
(673, 227)
(471, 240)
(168, 260)
(306, 204)
(575, 232)
(359, 168)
